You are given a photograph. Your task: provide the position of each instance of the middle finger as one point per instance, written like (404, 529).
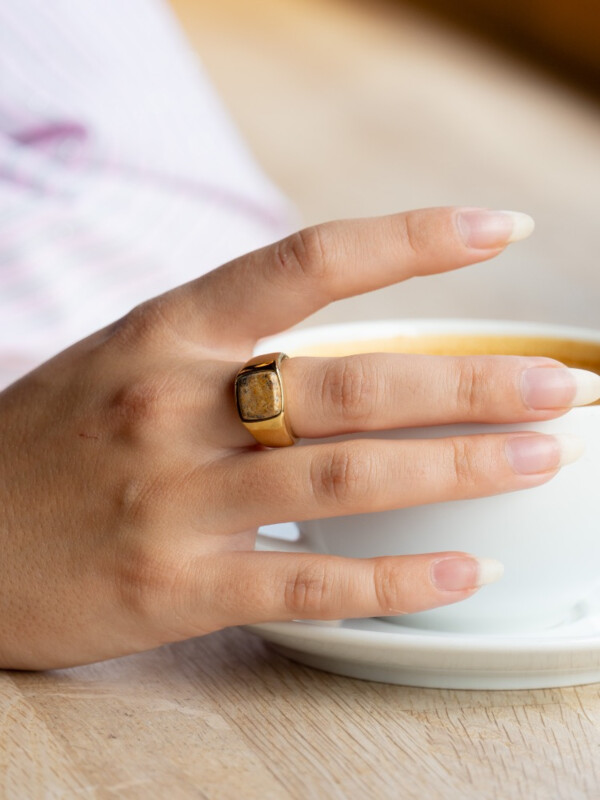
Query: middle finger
(379, 391)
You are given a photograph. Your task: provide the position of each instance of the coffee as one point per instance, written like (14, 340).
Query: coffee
(546, 537)
(572, 353)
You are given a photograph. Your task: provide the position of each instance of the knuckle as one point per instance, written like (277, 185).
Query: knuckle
(411, 234)
(343, 475)
(350, 388)
(464, 467)
(143, 324)
(470, 387)
(307, 591)
(387, 580)
(304, 253)
(140, 405)
(147, 579)
(148, 571)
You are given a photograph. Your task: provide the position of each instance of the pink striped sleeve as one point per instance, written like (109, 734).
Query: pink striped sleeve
(120, 172)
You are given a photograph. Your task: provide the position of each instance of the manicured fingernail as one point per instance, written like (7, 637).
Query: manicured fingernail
(529, 455)
(456, 573)
(559, 387)
(484, 229)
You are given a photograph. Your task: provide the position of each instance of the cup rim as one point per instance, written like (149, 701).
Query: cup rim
(380, 329)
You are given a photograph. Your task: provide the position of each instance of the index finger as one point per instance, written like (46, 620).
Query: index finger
(273, 288)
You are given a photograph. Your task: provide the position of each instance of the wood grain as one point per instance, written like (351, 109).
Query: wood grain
(224, 717)
(353, 109)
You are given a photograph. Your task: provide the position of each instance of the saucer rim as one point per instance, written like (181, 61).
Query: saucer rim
(426, 639)
(447, 640)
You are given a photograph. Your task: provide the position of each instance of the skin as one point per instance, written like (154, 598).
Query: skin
(131, 492)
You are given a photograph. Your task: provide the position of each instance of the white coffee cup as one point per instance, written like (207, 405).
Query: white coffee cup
(548, 537)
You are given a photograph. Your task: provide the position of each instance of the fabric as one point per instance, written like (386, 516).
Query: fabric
(120, 173)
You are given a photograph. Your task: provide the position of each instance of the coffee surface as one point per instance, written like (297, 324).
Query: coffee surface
(572, 353)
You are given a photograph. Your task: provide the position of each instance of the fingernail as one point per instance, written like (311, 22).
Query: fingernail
(529, 455)
(455, 573)
(484, 229)
(559, 387)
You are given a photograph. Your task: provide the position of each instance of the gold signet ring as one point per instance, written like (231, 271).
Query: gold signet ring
(261, 401)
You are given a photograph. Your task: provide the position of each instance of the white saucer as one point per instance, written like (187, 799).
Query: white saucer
(374, 650)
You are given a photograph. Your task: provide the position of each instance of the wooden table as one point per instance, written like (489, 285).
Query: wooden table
(223, 717)
(353, 109)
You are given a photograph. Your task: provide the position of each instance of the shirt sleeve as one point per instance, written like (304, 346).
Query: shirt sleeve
(121, 174)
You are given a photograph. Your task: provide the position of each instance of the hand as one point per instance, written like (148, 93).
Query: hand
(131, 493)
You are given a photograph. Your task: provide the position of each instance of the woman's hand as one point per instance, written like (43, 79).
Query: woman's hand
(131, 493)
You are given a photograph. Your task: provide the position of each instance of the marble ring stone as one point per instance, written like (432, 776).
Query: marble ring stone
(260, 402)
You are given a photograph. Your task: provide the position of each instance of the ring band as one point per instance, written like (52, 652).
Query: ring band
(260, 400)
